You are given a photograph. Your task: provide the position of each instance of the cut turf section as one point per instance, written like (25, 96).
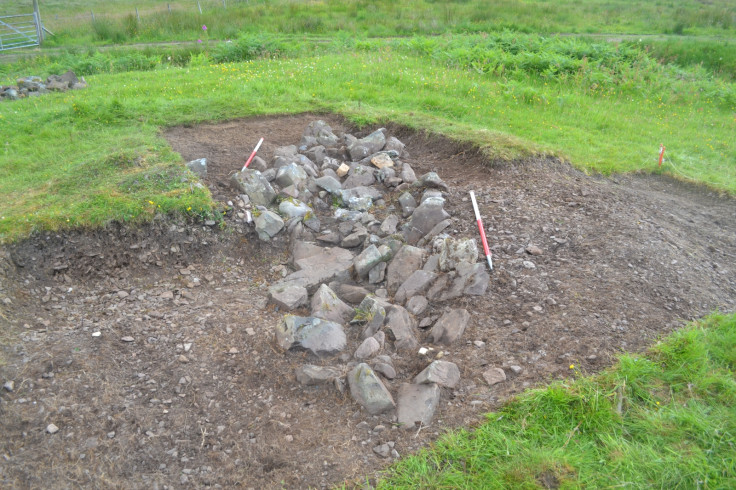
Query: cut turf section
(666, 419)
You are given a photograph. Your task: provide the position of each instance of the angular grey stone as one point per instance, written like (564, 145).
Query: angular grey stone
(330, 184)
(289, 192)
(387, 370)
(383, 450)
(285, 151)
(369, 145)
(417, 404)
(417, 305)
(380, 338)
(431, 193)
(316, 153)
(494, 376)
(477, 281)
(377, 274)
(278, 162)
(321, 337)
(452, 251)
(393, 144)
(450, 326)
(407, 260)
(367, 259)
(400, 327)
(198, 167)
(432, 264)
(312, 222)
(431, 180)
(408, 203)
(436, 230)
(319, 268)
(255, 185)
(424, 218)
(355, 239)
(358, 176)
(326, 305)
(288, 296)
(259, 164)
(268, 224)
(368, 390)
(269, 174)
(369, 348)
(444, 373)
(385, 174)
(310, 375)
(351, 293)
(291, 174)
(407, 174)
(417, 283)
(322, 132)
(330, 236)
(388, 227)
(294, 209)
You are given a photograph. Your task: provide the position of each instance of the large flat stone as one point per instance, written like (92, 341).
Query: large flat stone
(417, 404)
(400, 327)
(450, 326)
(321, 337)
(444, 373)
(310, 375)
(407, 260)
(368, 390)
(319, 268)
(417, 283)
(288, 296)
(326, 305)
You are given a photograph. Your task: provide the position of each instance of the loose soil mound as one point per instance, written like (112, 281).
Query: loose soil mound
(183, 385)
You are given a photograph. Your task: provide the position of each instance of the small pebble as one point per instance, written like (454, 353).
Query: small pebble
(52, 429)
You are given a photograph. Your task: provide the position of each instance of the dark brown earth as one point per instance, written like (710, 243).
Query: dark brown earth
(624, 261)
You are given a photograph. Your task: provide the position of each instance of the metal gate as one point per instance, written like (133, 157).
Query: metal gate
(20, 31)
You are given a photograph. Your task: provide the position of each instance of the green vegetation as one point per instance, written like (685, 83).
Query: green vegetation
(664, 420)
(604, 107)
(116, 22)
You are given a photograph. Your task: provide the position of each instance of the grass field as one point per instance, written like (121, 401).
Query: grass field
(479, 73)
(662, 420)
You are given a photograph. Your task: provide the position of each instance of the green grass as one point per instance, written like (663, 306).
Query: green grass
(666, 419)
(116, 22)
(604, 109)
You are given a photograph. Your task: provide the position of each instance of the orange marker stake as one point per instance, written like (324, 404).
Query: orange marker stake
(661, 154)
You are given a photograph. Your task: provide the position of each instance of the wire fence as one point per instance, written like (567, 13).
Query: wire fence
(56, 21)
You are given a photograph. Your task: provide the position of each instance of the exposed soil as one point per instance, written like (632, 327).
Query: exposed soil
(199, 395)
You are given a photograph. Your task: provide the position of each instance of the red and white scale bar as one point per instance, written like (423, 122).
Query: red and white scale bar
(250, 158)
(481, 230)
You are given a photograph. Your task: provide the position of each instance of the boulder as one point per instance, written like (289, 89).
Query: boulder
(400, 327)
(450, 326)
(321, 337)
(359, 175)
(268, 224)
(326, 305)
(310, 375)
(417, 283)
(417, 305)
(330, 184)
(259, 164)
(407, 260)
(368, 390)
(369, 145)
(388, 227)
(366, 260)
(198, 167)
(407, 174)
(417, 403)
(393, 144)
(351, 293)
(431, 180)
(444, 373)
(288, 296)
(316, 153)
(429, 213)
(255, 185)
(293, 209)
(494, 376)
(291, 174)
(377, 274)
(408, 204)
(369, 348)
(452, 251)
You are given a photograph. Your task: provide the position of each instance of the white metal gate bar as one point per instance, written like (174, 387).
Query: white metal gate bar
(19, 31)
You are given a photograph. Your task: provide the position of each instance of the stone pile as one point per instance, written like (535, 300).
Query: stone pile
(33, 86)
(369, 254)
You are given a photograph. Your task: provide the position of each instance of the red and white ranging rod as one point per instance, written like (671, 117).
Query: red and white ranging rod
(250, 158)
(481, 230)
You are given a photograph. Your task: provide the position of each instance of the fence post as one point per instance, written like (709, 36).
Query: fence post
(224, 5)
(137, 16)
(199, 7)
(93, 15)
(37, 15)
(169, 5)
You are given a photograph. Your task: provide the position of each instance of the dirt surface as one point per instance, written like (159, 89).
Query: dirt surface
(184, 387)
